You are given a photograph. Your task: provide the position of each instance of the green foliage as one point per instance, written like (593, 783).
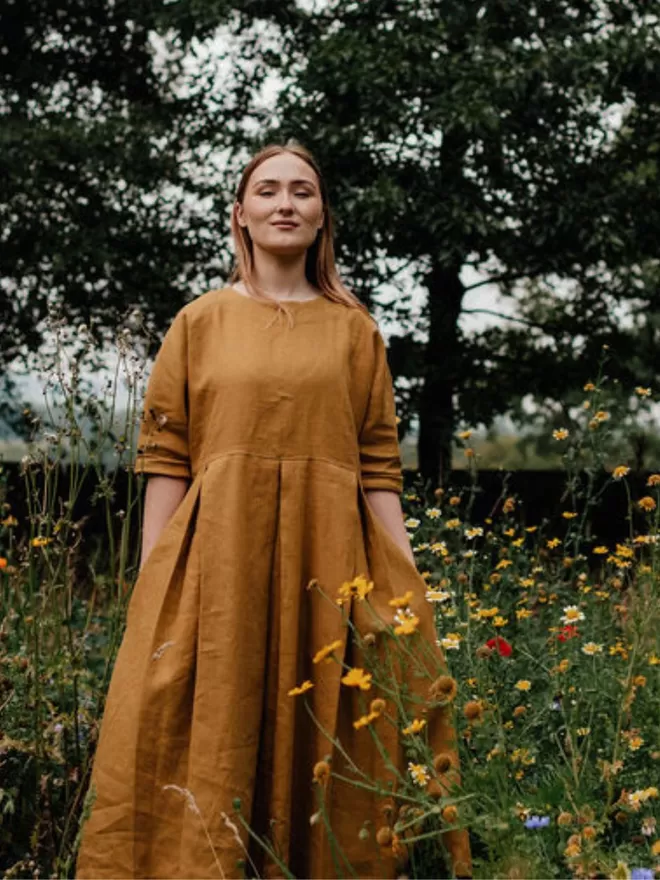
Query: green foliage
(63, 600)
(102, 174)
(510, 139)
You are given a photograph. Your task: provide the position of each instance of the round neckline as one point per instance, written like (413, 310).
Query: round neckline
(290, 302)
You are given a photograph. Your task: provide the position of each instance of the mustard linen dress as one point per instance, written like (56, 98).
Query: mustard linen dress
(280, 430)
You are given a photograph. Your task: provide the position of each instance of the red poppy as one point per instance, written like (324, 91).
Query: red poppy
(568, 632)
(503, 648)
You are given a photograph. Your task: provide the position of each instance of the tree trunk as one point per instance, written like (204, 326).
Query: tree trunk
(441, 375)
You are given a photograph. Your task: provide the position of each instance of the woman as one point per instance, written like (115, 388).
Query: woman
(273, 460)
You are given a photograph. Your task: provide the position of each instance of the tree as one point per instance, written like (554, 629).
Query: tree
(108, 199)
(479, 135)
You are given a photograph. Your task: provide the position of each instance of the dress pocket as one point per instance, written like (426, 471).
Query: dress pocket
(385, 540)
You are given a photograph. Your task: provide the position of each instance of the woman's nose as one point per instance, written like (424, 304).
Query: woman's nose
(284, 202)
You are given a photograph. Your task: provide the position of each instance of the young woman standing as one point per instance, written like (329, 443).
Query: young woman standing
(273, 460)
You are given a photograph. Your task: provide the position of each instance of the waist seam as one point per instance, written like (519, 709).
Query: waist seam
(204, 464)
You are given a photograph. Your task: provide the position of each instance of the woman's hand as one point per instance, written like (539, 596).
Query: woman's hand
(162, 497)
(386, 504)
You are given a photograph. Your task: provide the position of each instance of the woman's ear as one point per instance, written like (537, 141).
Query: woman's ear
(240, 214)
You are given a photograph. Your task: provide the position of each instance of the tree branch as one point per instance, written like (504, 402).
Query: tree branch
(497, 280)
(503, 316)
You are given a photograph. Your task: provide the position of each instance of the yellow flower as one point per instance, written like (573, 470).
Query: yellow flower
(583, 731)
(523, 684)
(326, 652)
(509, 505)
(407, 626)
(572, 615)
(357, 677)
(500, 621)
(9, 522)
(503, 563)
(451, 641)
(296, 691)
(635, 743)
(647, 503)
(642, 392)
(653, 480)
(568, 514)
(560, 434)
(621, 471)
(358, 589)
(486, 613)
(40, 542)
(552, 543)
(654, 660)
(415, 726)
(601, 416)
(524, 613)
(419, 773)
(401, 601)
(364, 720)
(437, 595)
(465, 435)
(601, 551)
(655, 849)
(518, 542)
(591, 649)
(531, 529)
(509, 532)
(589, 387)
(452, 523)
(454, 500)
(522, 756)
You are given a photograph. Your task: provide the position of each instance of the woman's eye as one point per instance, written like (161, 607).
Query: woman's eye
(304, 194)
(266, 192)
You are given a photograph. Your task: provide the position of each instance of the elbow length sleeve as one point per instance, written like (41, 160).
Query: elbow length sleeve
(162, 446)
(380, 455)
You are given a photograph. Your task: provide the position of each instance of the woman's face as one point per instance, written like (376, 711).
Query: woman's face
(282, 206)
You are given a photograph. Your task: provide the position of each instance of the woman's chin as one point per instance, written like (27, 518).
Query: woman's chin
(285, 248)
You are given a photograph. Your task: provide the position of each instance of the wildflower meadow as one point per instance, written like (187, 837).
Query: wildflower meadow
(552, 674)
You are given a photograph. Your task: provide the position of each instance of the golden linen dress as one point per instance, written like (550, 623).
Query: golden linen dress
(280, 431)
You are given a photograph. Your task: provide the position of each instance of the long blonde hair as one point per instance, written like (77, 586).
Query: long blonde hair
(320, 267)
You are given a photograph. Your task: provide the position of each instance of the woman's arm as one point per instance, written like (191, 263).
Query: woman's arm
(162, 497)
(386, 504)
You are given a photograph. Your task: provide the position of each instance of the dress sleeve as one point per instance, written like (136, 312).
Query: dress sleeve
(380, 456)
(162, 446)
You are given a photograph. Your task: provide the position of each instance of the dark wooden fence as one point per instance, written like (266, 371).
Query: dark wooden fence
(541, 497)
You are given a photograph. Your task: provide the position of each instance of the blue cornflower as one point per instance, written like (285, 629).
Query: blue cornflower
(642, 874)
(537, 822)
